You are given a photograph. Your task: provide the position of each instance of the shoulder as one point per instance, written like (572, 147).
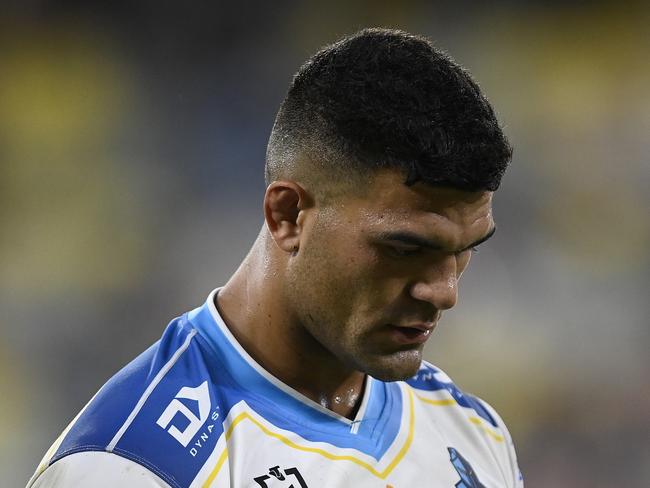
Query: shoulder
(99, 470)
(433, 383)
(149, 411)
(473, 418)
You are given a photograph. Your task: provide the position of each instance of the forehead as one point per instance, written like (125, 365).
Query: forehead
(387, 201)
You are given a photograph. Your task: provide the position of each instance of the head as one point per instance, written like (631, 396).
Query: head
(381, 167)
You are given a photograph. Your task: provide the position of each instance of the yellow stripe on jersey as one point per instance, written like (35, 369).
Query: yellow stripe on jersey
(445, 402)
(439, 403)
(481, 424)
(334, 457)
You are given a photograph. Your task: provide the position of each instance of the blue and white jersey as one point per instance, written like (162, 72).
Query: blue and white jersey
(195, 410)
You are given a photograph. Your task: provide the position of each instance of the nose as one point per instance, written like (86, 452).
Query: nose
(438, 284)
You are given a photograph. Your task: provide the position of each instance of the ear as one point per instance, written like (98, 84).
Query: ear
(283, 202)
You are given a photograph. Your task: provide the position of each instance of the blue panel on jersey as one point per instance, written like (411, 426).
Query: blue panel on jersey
(109, 409)
(164, 445)
(146, 442)
(383, 417)
(425, 379)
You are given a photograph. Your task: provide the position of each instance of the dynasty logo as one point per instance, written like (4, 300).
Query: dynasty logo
(200, 395)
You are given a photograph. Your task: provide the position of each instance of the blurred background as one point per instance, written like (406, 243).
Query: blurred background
(132, 140)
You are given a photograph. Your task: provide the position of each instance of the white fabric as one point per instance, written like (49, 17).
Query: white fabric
(97, 469)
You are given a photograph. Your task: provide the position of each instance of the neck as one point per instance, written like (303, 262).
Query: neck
(252, 305)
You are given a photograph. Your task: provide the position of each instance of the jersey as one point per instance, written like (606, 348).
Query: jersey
(196, 410)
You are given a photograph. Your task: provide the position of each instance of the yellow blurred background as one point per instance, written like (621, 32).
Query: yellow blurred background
(132, 141)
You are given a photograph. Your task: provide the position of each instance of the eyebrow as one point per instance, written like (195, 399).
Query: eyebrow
(416, 240)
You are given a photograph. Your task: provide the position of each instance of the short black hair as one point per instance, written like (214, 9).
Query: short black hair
(384, 98)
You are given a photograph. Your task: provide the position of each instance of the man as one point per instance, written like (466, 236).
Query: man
(306, 369)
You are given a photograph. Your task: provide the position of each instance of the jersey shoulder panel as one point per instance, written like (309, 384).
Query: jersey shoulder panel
(433, 386)
(99, 470)
(430, 378)
(151, 410)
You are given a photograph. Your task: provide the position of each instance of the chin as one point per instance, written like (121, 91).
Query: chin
(397, 367)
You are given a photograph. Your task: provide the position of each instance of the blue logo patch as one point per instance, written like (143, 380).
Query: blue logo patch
(468, 478)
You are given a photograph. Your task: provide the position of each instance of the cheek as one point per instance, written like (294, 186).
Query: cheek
(343, 270)
(341, 256)
(346, 281)
(324, 269)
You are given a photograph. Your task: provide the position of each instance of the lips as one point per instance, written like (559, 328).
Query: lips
(413, 334)
(422, 326)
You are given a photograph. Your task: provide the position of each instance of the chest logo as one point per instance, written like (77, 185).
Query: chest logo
(468, 478)
(289, 476)
(200, 395)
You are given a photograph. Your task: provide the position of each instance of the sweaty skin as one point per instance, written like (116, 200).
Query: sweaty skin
(333, 290)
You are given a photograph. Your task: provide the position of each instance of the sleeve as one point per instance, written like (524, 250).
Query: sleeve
(97, 469)
(516, 479)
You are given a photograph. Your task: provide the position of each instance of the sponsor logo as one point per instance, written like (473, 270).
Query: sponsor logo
(200, 395)
(289, 476)
(201, 439)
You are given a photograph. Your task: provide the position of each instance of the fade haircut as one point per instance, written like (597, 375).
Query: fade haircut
(384, 98)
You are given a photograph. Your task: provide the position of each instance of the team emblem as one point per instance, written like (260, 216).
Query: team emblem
(468, 478)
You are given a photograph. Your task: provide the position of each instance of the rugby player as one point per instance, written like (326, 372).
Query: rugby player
(305, 369)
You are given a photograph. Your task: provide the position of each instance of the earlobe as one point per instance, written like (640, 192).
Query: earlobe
(283, 202)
